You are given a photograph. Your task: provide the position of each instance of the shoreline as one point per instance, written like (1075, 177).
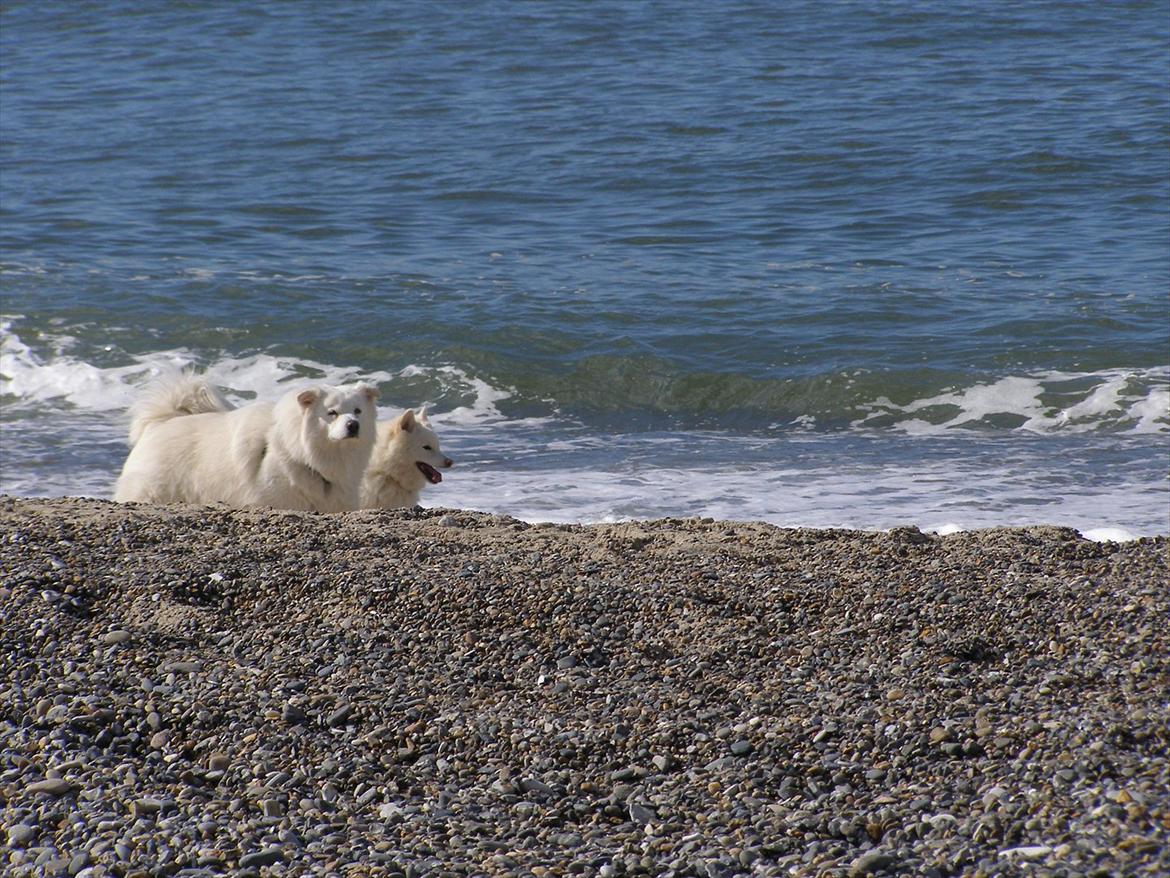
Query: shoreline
(425, 691)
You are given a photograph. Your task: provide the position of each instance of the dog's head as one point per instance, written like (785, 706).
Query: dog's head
(343, 413)
(429, 457)
(409, 448)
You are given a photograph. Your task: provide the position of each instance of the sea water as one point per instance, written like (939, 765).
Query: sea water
(826, 264)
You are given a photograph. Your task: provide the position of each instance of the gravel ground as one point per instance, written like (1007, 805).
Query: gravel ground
(209, 691)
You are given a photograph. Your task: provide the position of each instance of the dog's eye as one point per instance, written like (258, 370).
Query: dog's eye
(427, 448)
(357, 411)
(331, 414)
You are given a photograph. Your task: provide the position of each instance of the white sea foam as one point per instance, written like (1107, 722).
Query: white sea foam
(65, 378)
(480, 409)
(944, 530)
(1136, 401)
(1109, 535)
(805, 483)
(797, 499)
(62, 379)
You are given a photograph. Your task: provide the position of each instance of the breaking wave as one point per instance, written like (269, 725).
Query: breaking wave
(62, 372)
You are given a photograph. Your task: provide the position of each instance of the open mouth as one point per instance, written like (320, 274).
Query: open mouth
(432, 475)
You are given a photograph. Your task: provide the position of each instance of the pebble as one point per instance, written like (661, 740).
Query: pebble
(53, 786)
(264, 857)
(181, 667)
(868, 863)
(20, 835)
(272, 808)
(1027, 852)
(642, 814)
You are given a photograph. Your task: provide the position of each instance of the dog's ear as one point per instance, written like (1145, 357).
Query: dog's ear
(370, 391)
(406, 420)
(307, 397)
(422, 416)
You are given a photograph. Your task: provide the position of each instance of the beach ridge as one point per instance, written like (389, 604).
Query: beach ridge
(421, 692)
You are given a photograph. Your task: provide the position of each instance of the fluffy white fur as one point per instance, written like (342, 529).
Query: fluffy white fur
(406, 459)
(306, 451)
(171, 396)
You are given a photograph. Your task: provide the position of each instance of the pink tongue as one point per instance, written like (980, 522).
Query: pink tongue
(432, 474)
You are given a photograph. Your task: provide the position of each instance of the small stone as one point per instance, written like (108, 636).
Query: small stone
(181, 667)
(630, 772)
(21, 834)
(1027, 852)
(663, 762)
(272, 808)
(292, 714)
(79, 861)
(532, 785)
(873, 861)
(264, 857)
(340, 715)
(367, 797)
(118, 635)
(53, 786)
(741, 748)
(145, 807)
(159, 739)
(448, 521)
(642, 814)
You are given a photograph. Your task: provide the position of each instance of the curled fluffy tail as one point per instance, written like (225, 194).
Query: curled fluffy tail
(173, 396)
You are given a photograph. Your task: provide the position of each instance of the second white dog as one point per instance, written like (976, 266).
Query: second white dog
(406, 459)
(306, 451)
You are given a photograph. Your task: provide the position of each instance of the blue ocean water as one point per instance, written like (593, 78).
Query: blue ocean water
(812, 263)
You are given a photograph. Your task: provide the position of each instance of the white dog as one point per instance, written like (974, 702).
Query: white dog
(406, 459)
(307, 451)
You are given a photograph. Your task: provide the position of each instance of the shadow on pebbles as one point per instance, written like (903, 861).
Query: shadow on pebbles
(188, 691)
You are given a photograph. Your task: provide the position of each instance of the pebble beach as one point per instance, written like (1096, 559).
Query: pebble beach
(204, 691)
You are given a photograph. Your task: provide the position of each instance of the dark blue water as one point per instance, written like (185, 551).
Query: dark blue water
(641, 259)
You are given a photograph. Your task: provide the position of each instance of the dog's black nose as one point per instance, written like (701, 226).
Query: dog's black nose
(352, 428)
